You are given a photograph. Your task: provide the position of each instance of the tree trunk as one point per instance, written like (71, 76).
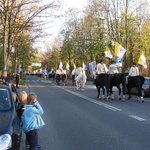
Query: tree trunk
(5, 43)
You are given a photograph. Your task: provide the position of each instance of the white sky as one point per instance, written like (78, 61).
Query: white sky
(54, 27)
(75, 3)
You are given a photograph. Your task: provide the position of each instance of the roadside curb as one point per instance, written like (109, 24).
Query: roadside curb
(22, 143)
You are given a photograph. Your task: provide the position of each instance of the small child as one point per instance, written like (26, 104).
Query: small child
(21, 105)
(17, 123)
(32, 120)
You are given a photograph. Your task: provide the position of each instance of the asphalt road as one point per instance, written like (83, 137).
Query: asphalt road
(76, 120)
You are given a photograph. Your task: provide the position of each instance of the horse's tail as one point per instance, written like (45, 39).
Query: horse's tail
(142, 80)
(123, 77)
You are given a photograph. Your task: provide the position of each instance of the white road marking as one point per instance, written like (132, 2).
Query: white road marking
(94, 101)
(137, 118)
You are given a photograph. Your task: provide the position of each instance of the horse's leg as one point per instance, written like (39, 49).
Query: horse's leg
(62, 79)
(66, 78)
(129, 92)
(107, 93)
(65, 81)
(124, 92)
(54, 76)
(98, 90)
(58, 82)
(82, 85)
(72, 79)
(57, 79)
(83, 82)
(111, 93)
(77, 84)
(119, 94)
(103, 95)
(140, 96)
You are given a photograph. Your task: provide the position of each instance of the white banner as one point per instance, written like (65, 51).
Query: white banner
(92, 67)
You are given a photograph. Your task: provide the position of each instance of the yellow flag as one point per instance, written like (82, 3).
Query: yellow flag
(142, 60)
(116, 48)
(60, 65)
(119, 50)
(74, 66)
(67, 66)
(108, 53)
(83, 66)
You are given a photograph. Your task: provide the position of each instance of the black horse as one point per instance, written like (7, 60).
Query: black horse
(136, 81)
(118, 80)
(102, 82)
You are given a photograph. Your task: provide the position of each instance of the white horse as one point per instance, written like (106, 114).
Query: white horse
(80, 78)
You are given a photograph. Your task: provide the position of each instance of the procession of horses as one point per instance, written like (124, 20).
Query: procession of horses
(103, 82)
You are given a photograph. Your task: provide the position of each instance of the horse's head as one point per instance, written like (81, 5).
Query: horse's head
(79, 71)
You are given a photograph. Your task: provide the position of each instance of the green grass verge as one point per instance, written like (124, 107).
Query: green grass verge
(23, 81)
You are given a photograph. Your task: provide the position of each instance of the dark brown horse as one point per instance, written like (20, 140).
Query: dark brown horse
(61, 77)
(58, 78)
(64, 78)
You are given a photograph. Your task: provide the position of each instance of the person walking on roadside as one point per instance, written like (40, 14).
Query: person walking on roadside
(17, 80)
(32, 120)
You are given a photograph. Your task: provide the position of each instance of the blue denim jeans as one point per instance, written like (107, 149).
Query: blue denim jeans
(32, 138)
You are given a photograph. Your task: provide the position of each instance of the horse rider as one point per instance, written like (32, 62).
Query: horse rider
(100, 69)
(64, 71)
(134, 71)
(73, 71)
(79, 70)
(59, 71)
(113, 68)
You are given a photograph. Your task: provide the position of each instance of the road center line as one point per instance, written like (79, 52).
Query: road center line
(137, 118)
(94, 101)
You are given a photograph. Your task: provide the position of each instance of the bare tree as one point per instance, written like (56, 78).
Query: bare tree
(17, 18)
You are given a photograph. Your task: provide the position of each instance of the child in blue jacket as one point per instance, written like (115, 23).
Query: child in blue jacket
(32, 121)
